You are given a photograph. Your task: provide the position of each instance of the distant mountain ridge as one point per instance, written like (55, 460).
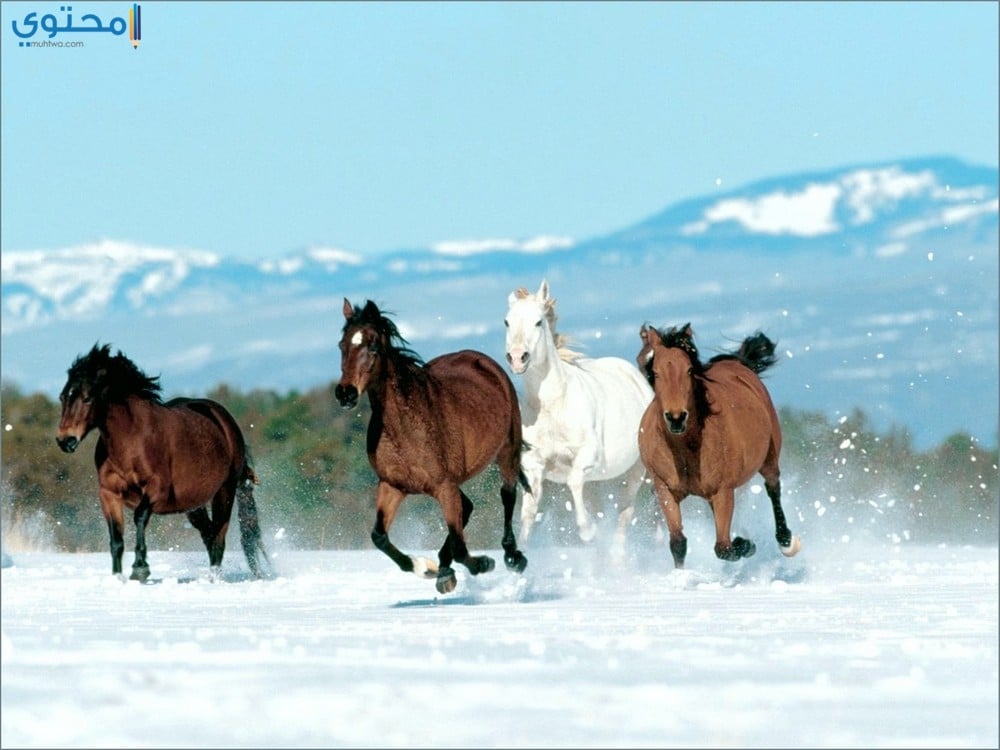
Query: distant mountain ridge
(886, 251)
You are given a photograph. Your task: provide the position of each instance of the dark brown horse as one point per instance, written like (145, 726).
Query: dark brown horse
(708, 430)
(433, 426)
(156, 457)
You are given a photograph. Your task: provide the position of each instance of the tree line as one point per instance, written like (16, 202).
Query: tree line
(316, 488)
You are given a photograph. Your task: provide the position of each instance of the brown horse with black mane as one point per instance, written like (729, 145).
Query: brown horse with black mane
(708, 430)
(156, 457)
(433, 426)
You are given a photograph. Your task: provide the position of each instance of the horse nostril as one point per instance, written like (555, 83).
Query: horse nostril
(676, 423)
(67, 444)
(510, 358)
(346, 395)
(524, 358)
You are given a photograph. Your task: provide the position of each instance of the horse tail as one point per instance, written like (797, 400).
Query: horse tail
(521, 478)
(757, 352)
(250, 535)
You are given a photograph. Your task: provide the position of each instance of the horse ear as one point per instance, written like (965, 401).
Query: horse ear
(348, 309)
(687, 331)
(543, 290)
(371, 310)
(644, 332)
(511, 299)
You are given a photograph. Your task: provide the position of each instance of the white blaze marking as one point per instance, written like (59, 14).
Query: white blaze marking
(356, 339)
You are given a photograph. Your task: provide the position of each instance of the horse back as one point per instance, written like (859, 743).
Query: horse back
(472, 410)
(743, 412)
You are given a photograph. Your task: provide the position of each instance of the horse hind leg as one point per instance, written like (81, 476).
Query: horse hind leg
(634, 479)
(513, 558)
(214, 531)
(788, 543)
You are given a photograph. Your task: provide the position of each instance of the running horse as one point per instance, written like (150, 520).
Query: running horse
(581, 415)
(708, 430)
(156, 457)
(433, 426)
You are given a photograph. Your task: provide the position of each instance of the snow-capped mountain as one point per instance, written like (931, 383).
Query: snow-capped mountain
(878, 281)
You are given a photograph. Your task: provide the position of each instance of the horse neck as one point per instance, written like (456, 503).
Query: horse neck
(385, 395)
(545, 378)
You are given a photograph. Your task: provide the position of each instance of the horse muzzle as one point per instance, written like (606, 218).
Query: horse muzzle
(346, 395)
(676, 423)
(67, 443)
(518, 361)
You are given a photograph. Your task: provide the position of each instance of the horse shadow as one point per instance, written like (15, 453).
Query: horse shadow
(229, 576)
(519, 590)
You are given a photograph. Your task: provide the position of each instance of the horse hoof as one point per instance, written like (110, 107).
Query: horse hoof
(744, 547)
(516, 561)
(139, 574)
(588, 533)
(424, 567)
(793, 547)
(481, 564)
(446, 581)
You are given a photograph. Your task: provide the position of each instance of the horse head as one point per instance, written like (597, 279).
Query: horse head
(530, 318)
(672, 366)
(361, 348)
(93, 381)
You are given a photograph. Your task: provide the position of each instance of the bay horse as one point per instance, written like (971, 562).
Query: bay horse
(433, 426)
(709, 429)
(581, 414)
(159, 457)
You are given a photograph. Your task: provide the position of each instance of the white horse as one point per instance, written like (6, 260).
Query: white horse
(581, 415)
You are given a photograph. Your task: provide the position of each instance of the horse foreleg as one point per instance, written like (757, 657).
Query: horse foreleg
(723, 503)
(387, 500)
(585, 525)
(670, 506)
(114, 516)
(140, 567)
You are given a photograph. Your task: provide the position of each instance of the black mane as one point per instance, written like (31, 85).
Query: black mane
(409, 365)
(395, 345)
(113, 377)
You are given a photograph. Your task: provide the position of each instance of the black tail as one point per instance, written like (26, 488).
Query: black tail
(756, 352)
(525, 446)
(250, 537)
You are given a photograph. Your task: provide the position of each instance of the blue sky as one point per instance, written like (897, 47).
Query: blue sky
(258, 129)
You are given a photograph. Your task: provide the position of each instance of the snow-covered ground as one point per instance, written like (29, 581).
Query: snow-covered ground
(842, 646)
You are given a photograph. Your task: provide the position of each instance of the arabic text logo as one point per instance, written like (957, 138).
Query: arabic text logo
(87, 23)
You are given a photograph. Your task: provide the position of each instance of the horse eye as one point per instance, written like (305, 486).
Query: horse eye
(88, 398)
(539, 323)
(506, 324)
